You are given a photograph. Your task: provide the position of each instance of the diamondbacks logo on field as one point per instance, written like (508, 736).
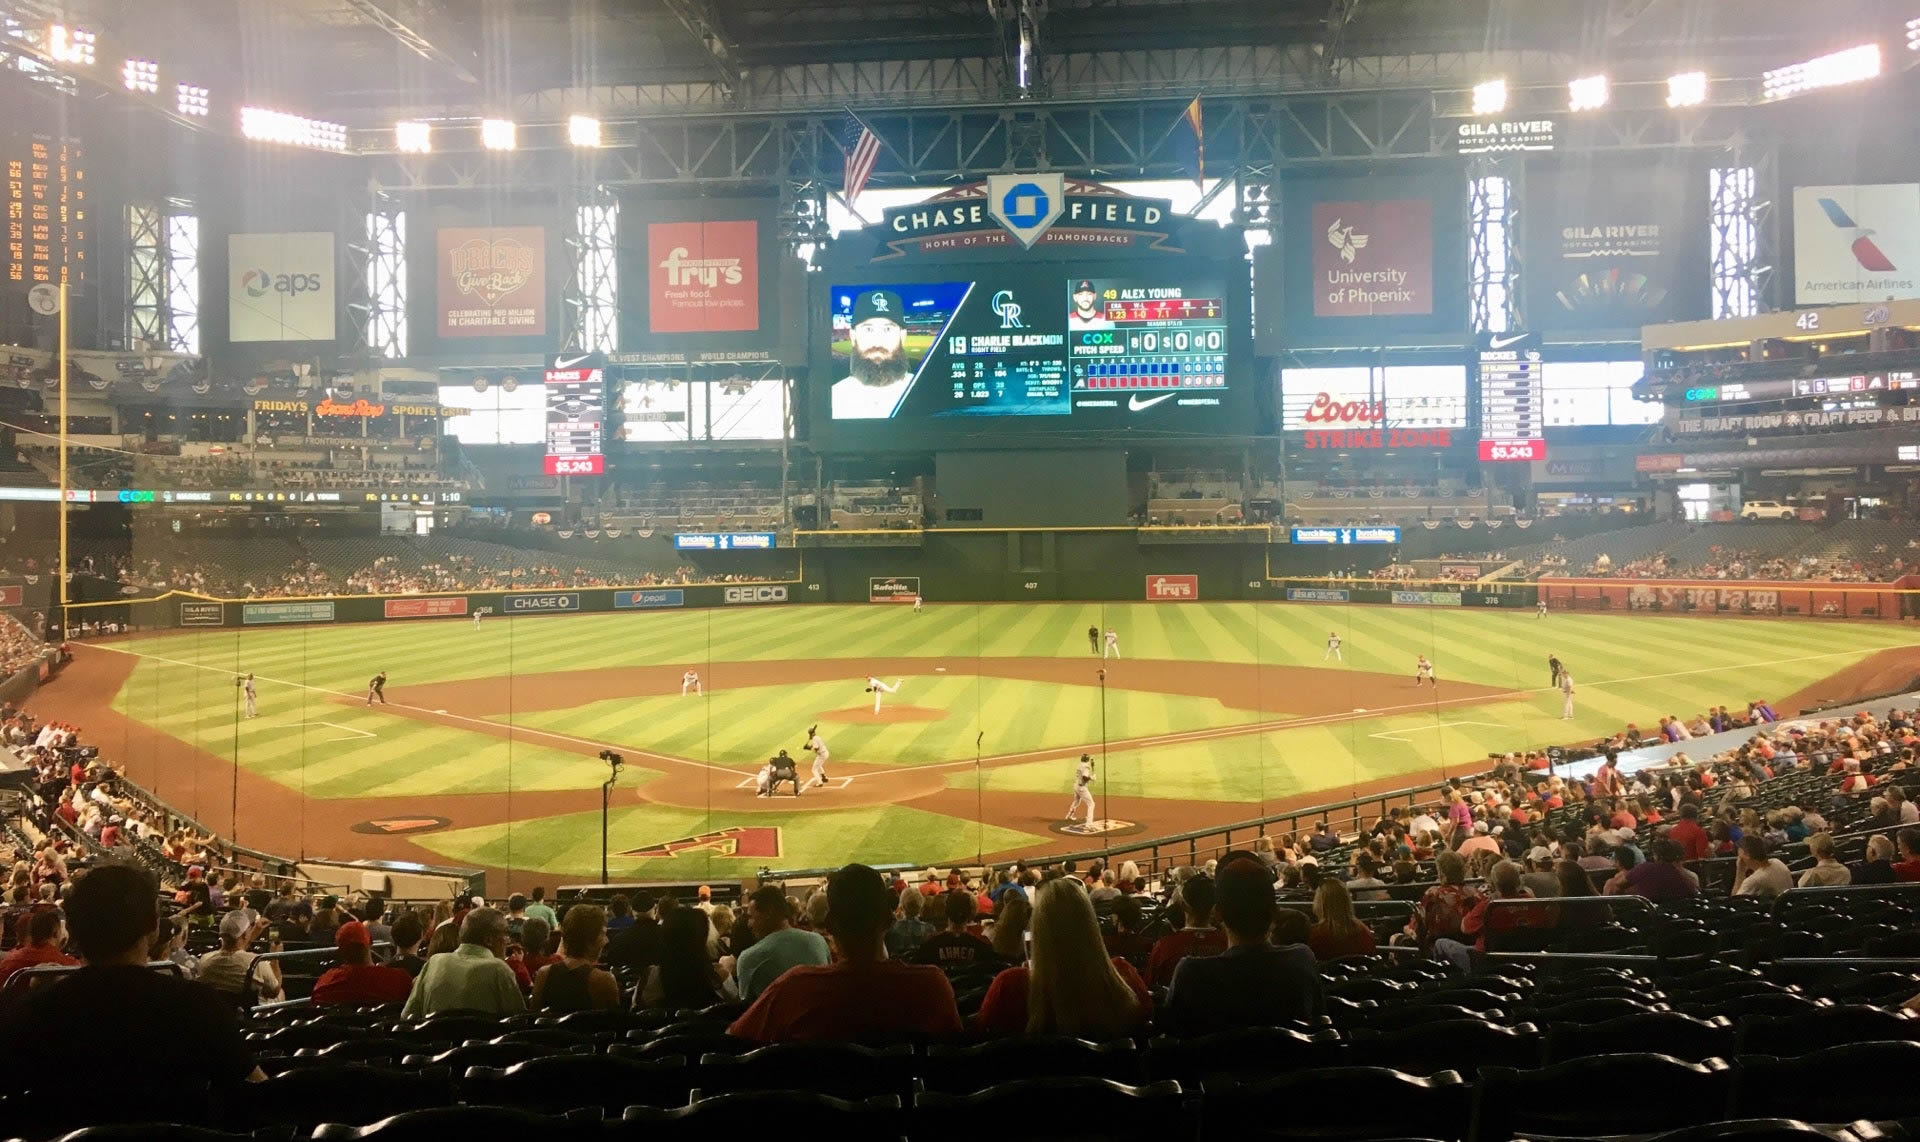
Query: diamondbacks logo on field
(400, 826)
(739, 841)
(1104, 827)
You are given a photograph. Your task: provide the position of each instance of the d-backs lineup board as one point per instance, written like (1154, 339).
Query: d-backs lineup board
(1030, 304)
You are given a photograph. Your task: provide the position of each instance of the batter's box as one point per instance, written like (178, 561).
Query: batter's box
(753, 783)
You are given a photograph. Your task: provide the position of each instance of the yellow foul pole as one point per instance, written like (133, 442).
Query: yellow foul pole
(63, 453)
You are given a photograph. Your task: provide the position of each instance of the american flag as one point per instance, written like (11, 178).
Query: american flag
(860, 160)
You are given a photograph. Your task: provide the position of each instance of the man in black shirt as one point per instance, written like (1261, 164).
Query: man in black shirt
(954, 946)
(1093, 640)
(180, 1040)
(636, 947)
(1252, 983)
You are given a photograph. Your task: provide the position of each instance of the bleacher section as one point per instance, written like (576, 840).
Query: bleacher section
(1339, 504)
(1847, 550)
(746, 507)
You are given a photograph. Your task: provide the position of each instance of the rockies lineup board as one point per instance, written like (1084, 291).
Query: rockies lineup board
(576, 411)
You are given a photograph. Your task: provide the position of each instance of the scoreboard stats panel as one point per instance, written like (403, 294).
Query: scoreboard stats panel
(1130, 336)
(1512, 406)
(1020, 344)
(576, 409)
(46, 208)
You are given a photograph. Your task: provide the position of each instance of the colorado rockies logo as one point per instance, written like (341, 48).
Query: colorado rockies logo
(1007, 309)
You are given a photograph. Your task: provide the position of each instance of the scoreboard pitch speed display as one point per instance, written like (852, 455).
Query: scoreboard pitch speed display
(576, 408)
(1026, 346)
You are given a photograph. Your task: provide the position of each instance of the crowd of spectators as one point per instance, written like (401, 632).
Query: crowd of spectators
(1737, 564)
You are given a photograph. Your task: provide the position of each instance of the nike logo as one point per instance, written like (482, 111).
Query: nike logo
(1135, 404)
(1503, 342)
(568, 364)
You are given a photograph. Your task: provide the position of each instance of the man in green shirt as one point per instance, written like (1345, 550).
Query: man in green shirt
(540, 909)
(777, 945)
(472, 977)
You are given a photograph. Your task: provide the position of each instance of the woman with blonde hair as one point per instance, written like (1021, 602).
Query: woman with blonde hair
(1129, 879)
(1337, 932)
(1070, 986)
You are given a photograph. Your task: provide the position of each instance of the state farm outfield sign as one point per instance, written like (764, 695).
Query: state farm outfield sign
(425, 608)
(1173, 588)
(546, 603)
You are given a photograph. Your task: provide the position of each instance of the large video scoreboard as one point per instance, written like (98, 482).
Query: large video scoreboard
(576, 411)
(1117, 319)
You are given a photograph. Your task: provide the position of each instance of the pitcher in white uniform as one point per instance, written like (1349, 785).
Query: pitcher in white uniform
(1082, 790)
(877, 688)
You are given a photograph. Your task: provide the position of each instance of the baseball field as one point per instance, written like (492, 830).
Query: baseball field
(486, 752)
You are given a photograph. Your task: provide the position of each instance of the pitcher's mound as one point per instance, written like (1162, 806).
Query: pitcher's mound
(864, 715)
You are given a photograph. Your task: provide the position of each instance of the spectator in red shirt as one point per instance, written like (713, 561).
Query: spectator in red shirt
(1687, 833)
(47, 933)
(1907, 868)
(1197, 938)
(1337, 932)
(864, 992)
(356, 981)
(1070, 985)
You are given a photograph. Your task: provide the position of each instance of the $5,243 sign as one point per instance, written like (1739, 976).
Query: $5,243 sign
(1491, 450)
(576, 465)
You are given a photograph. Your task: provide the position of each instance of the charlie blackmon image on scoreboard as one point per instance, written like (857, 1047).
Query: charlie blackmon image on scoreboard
(1082, 789)
(878, 688)
(1333, 647)
(690, 681)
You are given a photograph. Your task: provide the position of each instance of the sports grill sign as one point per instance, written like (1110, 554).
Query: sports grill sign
(1173, 588)
(545, 603)
(493, 281)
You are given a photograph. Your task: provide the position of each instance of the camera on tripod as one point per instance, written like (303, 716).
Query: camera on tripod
(612, 758)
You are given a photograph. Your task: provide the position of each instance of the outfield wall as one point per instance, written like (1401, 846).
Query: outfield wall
(1887, 601)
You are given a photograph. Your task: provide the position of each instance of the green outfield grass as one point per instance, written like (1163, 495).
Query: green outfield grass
(315, 735)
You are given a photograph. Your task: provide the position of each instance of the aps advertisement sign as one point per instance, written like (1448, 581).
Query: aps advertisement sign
(280, 287)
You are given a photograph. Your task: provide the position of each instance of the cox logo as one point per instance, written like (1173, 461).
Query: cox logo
(258, 283)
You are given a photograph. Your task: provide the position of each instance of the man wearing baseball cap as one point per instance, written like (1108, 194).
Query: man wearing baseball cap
(356, 980)
(879, 373)
(1086, 312)
(862, 992)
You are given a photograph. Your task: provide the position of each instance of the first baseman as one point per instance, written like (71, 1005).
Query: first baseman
(1113, 644)
(1566, 695)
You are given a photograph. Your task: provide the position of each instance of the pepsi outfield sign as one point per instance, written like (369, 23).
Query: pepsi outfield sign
(649, 600)
(544, 603)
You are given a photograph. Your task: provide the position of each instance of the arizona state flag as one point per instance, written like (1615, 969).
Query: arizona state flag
(1199, 143)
